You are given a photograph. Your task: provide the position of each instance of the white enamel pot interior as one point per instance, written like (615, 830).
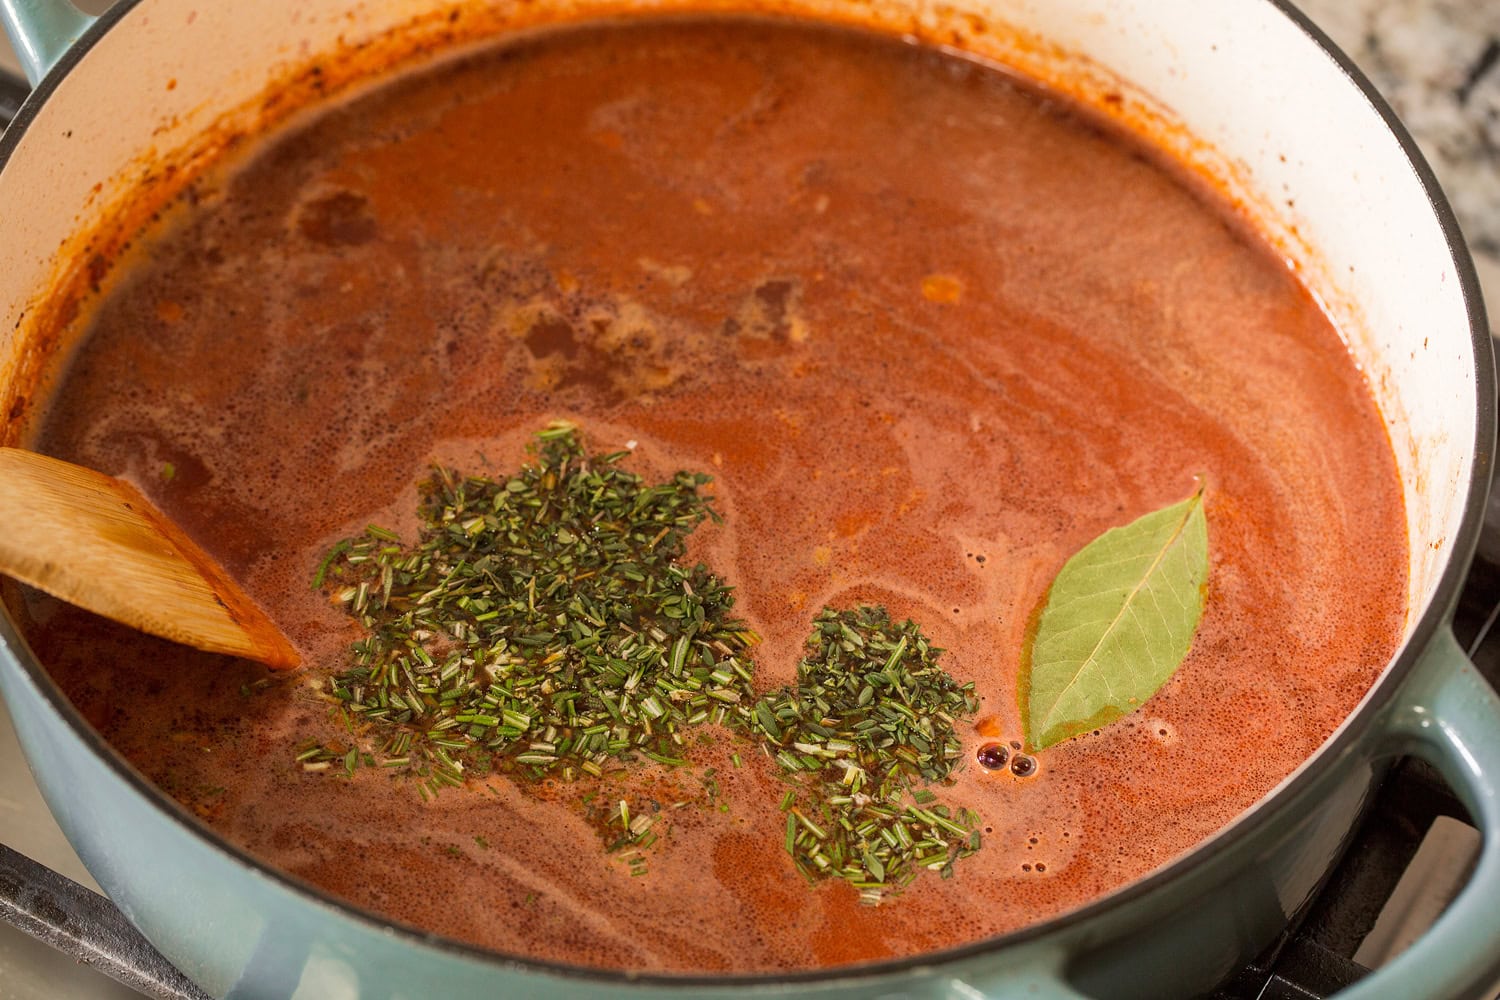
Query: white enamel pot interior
(1244, 90)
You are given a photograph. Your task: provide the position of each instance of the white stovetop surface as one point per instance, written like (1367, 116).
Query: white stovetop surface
(1438, 61)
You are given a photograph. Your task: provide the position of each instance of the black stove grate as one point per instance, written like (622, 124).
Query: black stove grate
(85, 926)
(1314, 957)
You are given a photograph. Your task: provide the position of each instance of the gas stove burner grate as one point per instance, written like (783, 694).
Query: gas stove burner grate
(86, 926)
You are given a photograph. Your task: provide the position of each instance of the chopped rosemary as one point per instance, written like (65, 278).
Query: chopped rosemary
(870, 716)
(540, 624)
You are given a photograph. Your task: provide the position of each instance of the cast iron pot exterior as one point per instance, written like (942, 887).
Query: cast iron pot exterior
(241, 930)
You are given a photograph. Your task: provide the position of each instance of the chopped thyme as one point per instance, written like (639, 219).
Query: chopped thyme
(540, 624)
(871, 715)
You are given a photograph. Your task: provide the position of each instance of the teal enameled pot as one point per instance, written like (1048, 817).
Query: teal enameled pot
(1246, 90)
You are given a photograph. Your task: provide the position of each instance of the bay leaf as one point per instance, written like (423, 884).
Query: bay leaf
(1118, 622)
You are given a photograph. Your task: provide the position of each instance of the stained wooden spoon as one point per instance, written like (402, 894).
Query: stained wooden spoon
(97, 542)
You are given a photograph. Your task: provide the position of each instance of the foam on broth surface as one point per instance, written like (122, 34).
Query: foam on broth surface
(930, 331)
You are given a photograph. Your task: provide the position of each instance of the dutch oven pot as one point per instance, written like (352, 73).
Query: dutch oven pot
(1247, 89)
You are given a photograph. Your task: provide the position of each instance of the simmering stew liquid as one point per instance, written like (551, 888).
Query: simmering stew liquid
(930, 329)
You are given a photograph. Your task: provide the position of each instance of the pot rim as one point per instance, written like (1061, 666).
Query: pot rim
(1352, 733)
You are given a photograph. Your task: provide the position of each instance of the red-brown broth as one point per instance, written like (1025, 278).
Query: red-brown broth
(930, 330)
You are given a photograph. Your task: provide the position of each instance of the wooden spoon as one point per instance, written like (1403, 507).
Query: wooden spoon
(97, 542)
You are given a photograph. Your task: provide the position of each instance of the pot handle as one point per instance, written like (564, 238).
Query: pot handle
(41, 31)
(1448, 715)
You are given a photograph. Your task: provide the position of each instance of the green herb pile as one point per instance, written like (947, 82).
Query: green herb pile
(869, 720)
(540, 624)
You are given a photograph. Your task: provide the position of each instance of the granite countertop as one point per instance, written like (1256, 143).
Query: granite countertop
(1438, 63)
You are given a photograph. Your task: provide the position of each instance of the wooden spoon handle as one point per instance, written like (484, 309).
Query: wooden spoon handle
(97, 542)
